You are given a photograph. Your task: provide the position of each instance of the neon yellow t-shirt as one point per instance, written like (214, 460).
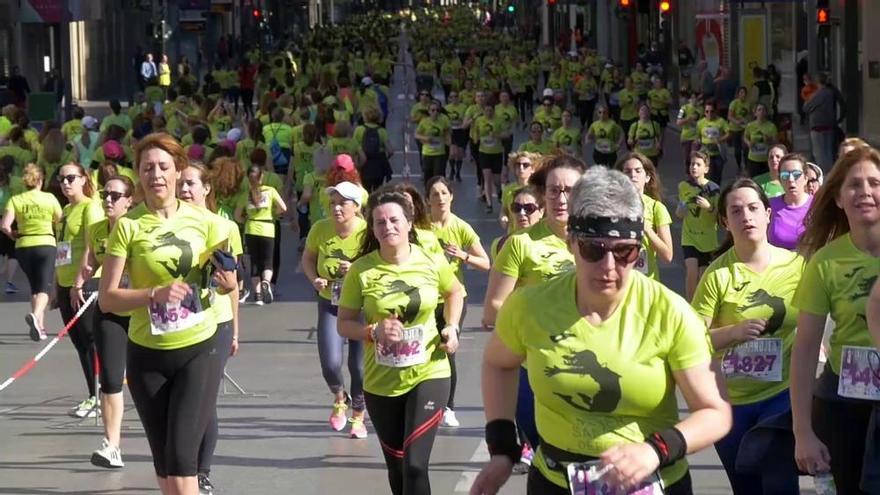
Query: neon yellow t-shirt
(488, 132)
(600, 386)
(760, 135)
(700, 227)
(436, 130)
(606, 135)
(730, 292)
(656, 215)
(260, 217)
(689, 131)
(411, 291)
(534, 255)
(711, 132)
(567, 139)
(34, 212)
(160, 250)
(837, 281)
(324, 241)
(659, 100)
(628, 100)
(545, 147)
(645, 135)
(223, 303)
(459, 233)
(741, 111)
(75, 220)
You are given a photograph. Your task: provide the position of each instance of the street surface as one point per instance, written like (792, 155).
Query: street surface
(275, 438)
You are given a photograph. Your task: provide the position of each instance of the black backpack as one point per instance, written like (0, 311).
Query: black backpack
(372, 144)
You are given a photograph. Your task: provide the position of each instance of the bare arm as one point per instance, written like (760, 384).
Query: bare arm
(500, 287)
(711, 416)
(811, 454)
(477, 257)
(6, 223)
(661, 241)
(500, 379)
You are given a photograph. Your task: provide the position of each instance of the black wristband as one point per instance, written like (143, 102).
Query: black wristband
(502, 440)
(669, 445)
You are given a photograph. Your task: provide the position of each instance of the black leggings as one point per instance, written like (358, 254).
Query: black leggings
(38, 265)
(223, 343)
(111, 339)
(586, 109)
(247, 101)
(843, 427)
(175, 393)
(276, 253)
(538, 484)
(433, 166)
(406, 426)
(82, 336)
(261, 249)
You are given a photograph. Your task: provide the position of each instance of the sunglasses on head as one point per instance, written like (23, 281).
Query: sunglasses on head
(594, 251)
(113, 195)
(68, 178)
(523, 208)
(791, 175)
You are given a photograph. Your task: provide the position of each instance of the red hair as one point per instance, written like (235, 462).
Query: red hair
(336, 175)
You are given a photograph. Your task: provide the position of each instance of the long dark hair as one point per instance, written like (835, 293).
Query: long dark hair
(421, 218)
(254, 193)
(721, 214)
(370, 243)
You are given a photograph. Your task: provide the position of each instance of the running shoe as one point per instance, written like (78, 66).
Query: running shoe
(11, 288)
(107, 456)
(244, 296)
(358, 428)
(266, 288)
(258, 300)
(85, 409)
(35, 333)
(449, 419)
(205, 486)
(337, 417)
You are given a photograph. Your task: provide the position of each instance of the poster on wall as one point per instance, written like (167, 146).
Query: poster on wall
(753, 46)
(710, 42)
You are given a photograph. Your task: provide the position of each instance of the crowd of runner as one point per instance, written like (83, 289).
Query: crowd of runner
(170, 211)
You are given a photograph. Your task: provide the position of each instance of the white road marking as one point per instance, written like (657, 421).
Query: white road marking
(481, 455)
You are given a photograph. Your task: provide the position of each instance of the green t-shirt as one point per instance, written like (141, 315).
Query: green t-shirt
(5, 126)
(455, 112)
(628, 100)
(606, 135)
(567, 139)
(534, 255)
(586, 88)
(711, 132)
(459, 233)
(489, 132)
(689, 131)
(261, 216)
(158, 251)
(418, 112)
(317, 185)
(279, 131)
(609, 384)
(222, 307)
(122, 120)
(15, 186)
(640, 81)
(21, 155)
(760, 135)
(545, 147)
(411, 291)
(741, 111)
(550, 119)
(646, 136)
(347, 145)
(772, 188)
(730, 292)
(72, 128)
(71, 229)
(437, 130)
(303, 161)
(508, 114)
(659, 100)
(657, 216)
(700, 227)
(331, 249)
(837, 281)
(34, 211)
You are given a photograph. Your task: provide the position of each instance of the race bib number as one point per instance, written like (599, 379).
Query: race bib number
(642, 262)
(759, 148)
(409, 351)
(335, 292)
(759, 359)
(587, 479)
(63, 254)
(646, 144)
(603, 146)
(264, 201)
(859, 373)
(171, 318)
(488, 141)
(712, 133)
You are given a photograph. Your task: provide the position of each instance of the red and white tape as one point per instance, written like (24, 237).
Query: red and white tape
(33, 362)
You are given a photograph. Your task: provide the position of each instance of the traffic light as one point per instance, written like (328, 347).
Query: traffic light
(551, 2)
(664, 6)
(511, 8)
(823, 15)
(624, 4)
(257, 14)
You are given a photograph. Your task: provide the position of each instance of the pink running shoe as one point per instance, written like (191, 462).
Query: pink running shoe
(338, 418)
(358, 428)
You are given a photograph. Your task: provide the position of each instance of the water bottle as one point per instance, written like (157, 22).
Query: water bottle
(824, 484)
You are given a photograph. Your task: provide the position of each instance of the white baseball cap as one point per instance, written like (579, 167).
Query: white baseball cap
(347, 190)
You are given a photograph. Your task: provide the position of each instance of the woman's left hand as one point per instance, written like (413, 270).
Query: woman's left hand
(234, 349)
(226, 281)
(449, 340)
(455, 251)
(631, 464)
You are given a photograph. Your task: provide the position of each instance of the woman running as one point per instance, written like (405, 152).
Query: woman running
(536, 142)
(757, 137)
(455, 110)
(111, 330)
(657, 241)
(831, 413)
(525, 210)
(196, 188)
(80, 212)
(745, 298)
(738, 114)
(461, 245)
(567, 138)
(395, 286)
(490, 129)
(173, 363)
(522, 165)
(596, 321)
(688, 115)
(790, 209)
(697, 204)
(607, 137)
(257, 211)
(433, 132)
(644, 135)
(331, 247)
(34, 212)
(10, 185)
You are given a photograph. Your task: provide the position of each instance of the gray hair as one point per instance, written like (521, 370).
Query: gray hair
(602, 192)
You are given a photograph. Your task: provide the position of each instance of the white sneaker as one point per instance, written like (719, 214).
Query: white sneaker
(449, 419)
(85, 409)
(107, 456)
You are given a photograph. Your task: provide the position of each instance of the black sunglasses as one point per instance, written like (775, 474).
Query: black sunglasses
(113, 195)
(68, 178)
(523, 208)
(594, 251)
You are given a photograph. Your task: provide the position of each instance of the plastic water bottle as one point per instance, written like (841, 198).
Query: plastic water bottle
(824, 484)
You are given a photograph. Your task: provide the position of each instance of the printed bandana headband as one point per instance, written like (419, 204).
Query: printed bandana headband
(613, 227)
